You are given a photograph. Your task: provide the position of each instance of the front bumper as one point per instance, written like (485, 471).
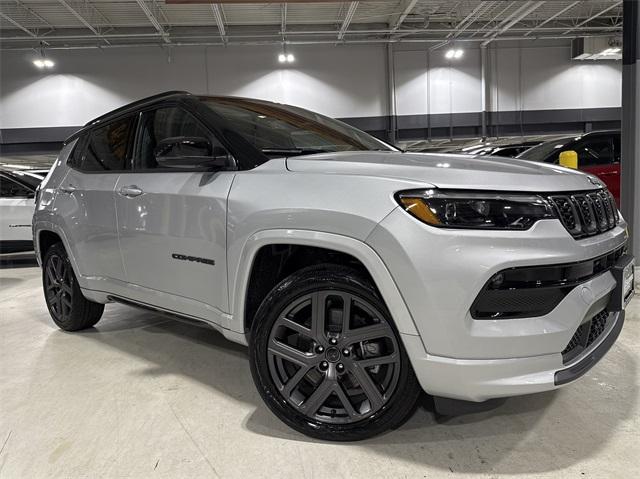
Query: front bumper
(480, 380)
(440, 273)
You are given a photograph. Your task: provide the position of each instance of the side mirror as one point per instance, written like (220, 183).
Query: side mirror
(188, 152)
(568, 159)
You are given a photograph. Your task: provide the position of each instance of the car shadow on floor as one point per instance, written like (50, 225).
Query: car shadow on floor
(22, 260)
(528, 434)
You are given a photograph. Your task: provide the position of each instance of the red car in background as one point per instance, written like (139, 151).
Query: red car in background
(598, 153)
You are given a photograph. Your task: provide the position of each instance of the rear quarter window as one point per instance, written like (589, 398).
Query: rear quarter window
(105, 148)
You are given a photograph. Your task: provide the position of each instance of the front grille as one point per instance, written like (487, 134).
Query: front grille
(586, 214)
(585, 336)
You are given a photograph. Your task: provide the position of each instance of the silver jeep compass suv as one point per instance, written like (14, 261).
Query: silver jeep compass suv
(358, 275)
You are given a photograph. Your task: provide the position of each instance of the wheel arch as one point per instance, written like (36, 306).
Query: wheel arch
(46, 234)
(342, 246)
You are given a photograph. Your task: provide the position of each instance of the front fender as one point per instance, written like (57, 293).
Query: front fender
(386, 285)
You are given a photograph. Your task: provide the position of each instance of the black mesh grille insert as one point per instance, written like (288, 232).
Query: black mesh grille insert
(586, 334)
(586, 214)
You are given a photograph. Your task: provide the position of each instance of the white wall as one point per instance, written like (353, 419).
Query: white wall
(521, 78)
(337, 81)
(340, 81)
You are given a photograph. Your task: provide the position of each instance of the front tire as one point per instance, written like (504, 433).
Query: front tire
(68, 308)
(327, 358)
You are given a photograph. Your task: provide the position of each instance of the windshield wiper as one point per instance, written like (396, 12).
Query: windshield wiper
(292, 151)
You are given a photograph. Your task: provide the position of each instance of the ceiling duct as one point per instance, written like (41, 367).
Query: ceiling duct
(596, 48)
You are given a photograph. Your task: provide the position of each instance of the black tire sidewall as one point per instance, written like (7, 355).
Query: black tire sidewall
(84, 313)
(404, 399)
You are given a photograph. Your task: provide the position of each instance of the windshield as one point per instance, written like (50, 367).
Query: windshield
(27, 178)
(542, 151)
(282, 130)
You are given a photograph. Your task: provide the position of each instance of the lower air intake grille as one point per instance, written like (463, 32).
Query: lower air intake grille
(585, 336)
(586, 214)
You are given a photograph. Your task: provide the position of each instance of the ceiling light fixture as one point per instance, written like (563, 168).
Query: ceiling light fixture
(284, 56)
(42, 62)
(453, 53)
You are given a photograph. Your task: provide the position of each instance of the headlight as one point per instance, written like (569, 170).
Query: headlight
(476, 210)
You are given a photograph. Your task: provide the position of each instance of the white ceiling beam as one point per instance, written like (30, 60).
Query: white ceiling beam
(18, 25)
(79, 17)
(217, 14)
(552, 17)
(396, 23)
(467, 21)
(30, 11)
(283, 18)
(152, 18)
(347, 19)
(485, 27)
(593, 17)
(517, 16)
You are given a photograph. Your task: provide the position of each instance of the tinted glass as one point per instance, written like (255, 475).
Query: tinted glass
(617, 152)
(281, 130)
(13, 189)
(107, 147)
(75, 158)
(547, 151)
(170, 122)
(595, 151)
(27, 178)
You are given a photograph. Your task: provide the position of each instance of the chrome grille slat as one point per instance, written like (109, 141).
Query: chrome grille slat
(586, 213)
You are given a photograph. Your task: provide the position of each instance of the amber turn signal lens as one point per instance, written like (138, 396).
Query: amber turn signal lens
(418, 208)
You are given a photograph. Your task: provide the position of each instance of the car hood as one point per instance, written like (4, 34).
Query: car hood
(448, 170)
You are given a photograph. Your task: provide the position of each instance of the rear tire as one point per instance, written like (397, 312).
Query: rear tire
(327, 359)
(68, 308)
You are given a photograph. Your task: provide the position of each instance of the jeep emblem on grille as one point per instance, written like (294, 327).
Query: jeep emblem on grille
(594, 181)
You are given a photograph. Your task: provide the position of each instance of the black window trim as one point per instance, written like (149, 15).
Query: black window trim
(175, 103)
(83, 140)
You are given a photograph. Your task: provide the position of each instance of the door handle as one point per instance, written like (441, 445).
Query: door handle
(68, 189)
(131, 191)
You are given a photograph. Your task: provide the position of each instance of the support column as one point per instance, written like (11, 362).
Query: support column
(391, 95)
(629, 165)
(484, 71)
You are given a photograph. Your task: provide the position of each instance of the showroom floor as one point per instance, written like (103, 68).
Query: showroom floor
(143, 396)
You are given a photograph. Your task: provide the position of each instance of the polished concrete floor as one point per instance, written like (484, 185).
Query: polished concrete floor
(141, 396)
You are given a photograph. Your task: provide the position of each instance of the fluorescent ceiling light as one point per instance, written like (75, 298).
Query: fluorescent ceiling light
(457, 53)
(450, 53)
(39, 63)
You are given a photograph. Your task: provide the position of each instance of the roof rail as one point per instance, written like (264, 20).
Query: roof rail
(148, 99)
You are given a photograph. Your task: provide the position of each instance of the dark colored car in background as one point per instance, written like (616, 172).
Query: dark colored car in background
(598, 153)
(506, 150)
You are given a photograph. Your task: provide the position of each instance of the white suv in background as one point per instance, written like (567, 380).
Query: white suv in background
(17, 193)
(358, 275)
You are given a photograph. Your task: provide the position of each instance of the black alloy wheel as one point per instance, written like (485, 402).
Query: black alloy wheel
(327, 358)
(68, 308)
(58, 287)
